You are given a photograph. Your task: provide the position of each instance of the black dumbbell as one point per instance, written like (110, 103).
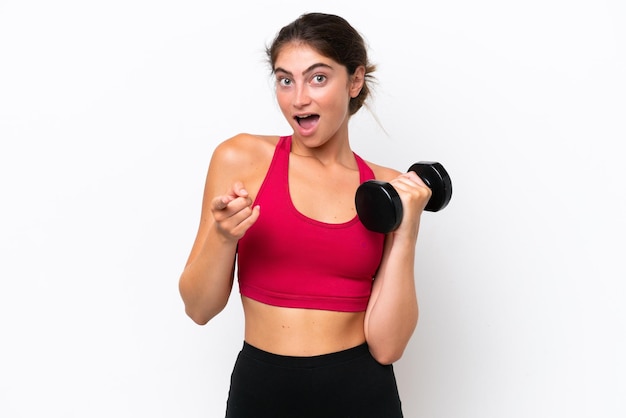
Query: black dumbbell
(378, 204)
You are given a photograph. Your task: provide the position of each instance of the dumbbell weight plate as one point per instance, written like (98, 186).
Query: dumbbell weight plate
(437, 179)
(379, 206)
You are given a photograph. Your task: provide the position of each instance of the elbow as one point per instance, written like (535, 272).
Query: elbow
(202, 309)
(200, 312)
(198, 318)
(201, 316)
(387, 356)
(387, 348)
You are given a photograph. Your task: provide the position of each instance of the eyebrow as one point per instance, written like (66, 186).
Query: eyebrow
(308, 70)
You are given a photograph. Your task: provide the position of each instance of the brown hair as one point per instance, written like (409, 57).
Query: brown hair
(333, 37)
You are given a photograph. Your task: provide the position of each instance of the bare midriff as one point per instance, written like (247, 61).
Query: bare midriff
(301, 332)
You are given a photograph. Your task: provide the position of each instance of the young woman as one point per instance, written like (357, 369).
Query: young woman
(328, 305)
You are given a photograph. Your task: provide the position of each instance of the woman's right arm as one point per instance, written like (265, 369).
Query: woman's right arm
(207, 279)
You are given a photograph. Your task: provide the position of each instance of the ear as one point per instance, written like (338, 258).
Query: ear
(356, 81)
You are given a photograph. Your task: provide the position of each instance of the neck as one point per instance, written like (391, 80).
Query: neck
(333, 150)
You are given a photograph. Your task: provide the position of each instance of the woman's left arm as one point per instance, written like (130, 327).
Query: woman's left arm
(392, 312)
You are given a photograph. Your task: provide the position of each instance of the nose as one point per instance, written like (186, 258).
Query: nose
(302, 96)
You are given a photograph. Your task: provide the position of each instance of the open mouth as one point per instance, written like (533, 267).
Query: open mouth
(307, 121)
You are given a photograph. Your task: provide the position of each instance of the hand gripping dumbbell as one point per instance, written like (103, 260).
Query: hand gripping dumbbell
(378, 204)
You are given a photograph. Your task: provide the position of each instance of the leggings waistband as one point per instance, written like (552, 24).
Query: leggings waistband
(305, 362)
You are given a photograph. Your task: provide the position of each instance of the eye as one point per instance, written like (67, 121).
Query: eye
(318, 79)
(283, 81)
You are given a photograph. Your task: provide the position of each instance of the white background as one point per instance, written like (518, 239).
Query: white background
(109, 112)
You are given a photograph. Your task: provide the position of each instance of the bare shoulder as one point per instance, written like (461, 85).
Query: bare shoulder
(244, 149)
(243, 157)
(383, 173)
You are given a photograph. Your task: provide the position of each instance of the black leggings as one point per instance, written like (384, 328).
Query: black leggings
(346, 384)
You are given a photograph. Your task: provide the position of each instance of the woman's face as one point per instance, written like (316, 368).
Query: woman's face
(313, 93)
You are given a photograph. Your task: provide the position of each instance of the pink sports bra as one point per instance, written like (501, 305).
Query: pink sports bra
(288, 259)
